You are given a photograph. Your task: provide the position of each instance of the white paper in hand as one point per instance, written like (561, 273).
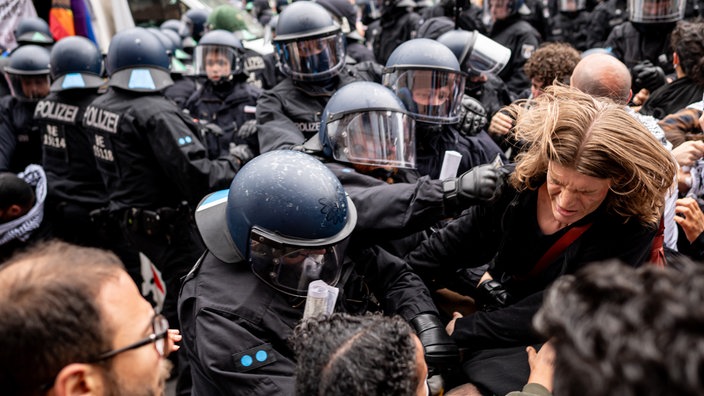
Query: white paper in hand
(320, 300)
(450, 164)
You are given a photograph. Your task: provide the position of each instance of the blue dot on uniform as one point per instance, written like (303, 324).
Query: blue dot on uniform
(246, 360)
(181, 141)
(188, 139)
(261, 356)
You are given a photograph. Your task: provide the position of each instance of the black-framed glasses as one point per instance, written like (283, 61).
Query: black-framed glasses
(160, 328)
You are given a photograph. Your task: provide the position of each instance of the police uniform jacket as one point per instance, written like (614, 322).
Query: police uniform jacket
(148, 152)
(20, 143)
(631, 46)
(522, 39)
(235, 327)
(68, 149)
(289, 114)
(571, 28)
(507, 236)
(227, 109)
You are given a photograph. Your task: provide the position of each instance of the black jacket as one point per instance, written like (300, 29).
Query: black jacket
(148, 152)
(20, 143)
(631, 44)
(522, 39)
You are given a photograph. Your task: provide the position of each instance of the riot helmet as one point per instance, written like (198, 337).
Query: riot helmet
(76, 63)
(137, 61)
(176, 44)
(345, 14)
(27, 72)
(286, 214)
(655, 11)
(366, 123)
(176, 66)
(173, 25)
(218, 56)
(476, 53)
(427, 77)
(193, 23)
(33, 30)
(571, 5)
(309, 44)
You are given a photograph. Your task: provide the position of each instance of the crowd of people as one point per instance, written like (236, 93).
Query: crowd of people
(401, 198)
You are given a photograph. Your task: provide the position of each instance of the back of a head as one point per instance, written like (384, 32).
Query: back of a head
(14, 191)
(50, 315)
(687, 40)
(226, 17)
(76, 63)
(550, 62)
(624, 331)
(138, 61)
(33, 30)
(603, 76)
(355, 355)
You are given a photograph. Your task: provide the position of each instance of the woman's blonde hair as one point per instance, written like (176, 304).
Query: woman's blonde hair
(597, 138)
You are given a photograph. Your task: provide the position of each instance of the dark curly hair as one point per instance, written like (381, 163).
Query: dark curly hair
(350, 355)
(624, 331)
(687, 39)
(550, 62)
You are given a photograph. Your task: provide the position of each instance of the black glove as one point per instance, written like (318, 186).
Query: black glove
(210, 129)
(478, 185)
(648, 76)
(242, 152)
(247, 129)
(472, 116)
(491, 296)
(440, 350)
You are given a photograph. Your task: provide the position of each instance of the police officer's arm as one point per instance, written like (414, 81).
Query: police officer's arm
(183, 158)
(518, 82)
(276, 131)
(8, 141)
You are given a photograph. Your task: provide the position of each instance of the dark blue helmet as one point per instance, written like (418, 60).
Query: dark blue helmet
(309, 44)
(76, 63)
(171, 24)
(28, 72)
(33, 30)
(193, 23)
(218, 46)
(137, 61)
(365, 123)
(427, 77)
(285, 213)
(476, 53)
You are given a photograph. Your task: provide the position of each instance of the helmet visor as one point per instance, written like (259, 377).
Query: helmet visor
(290, 268)
(487, 56)
(431, 95)
(382, 137)
(572, 5)
(29, 87)
(216, 61)
(655, 11)
(312, 59)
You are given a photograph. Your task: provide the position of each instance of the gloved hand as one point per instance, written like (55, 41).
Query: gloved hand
(440, 350)
(247, 129)
(648, 76)
(210, 129)
(478, 185)
(242, 152)
(472, 116)
(491, 295)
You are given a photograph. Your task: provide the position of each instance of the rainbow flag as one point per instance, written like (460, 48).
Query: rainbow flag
(61, 19)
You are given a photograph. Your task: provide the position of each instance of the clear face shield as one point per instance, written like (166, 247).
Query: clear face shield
(431, 95)
(217, 62)
(312, 59)
(655, 11)
(572, 5)
(377, 138)
(486, 56)
(28, 87)
(289, 268)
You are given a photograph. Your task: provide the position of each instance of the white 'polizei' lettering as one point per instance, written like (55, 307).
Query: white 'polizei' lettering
(101, 119)
(308, 126)
(56, 111)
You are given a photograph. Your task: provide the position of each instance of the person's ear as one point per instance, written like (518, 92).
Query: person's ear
(675, 59)
(630, 96)
(79, 379)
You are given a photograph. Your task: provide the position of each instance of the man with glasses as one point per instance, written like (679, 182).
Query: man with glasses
(74, 321)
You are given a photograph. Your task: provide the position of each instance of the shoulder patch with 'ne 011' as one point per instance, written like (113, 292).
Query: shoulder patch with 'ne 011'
(253, 358)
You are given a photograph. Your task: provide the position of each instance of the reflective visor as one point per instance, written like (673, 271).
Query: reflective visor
(381, 137)
(487, 56)
(656, 11)
(312, 59)
(29, 87)
(216, 61)
(289, 268)
(431, 95)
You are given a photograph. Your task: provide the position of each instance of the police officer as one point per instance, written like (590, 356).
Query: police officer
(225, 100)
(398, 24)
(367, 138)
(192, 27)
(151, 160)
(570, 24)
(606, 15)
(284, 223)
(646, 37)
(33, 30)
(28, 76)
(511, 31)
(345, 13)
(311, 53)
(426, 76)
(75, 187)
